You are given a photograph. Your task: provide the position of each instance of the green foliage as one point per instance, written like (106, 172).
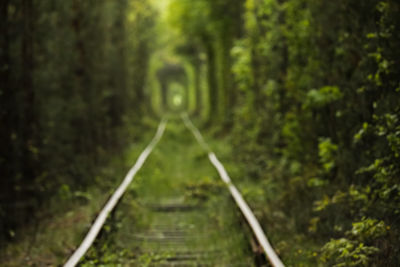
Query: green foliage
(207, 31)
(72, 79)
(308, 90)
(323, 96)
(241, 67)
(343, 252)
(368, 230)
(203, 189)
(354, 251)
(319, 110)
(327, 153)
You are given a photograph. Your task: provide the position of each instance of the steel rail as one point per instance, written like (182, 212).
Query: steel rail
(112, 202)
(244, 208)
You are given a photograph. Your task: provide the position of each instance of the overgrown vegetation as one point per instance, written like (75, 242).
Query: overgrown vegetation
(208, 226)
(72, 75)
(316, 116)
(305, 93)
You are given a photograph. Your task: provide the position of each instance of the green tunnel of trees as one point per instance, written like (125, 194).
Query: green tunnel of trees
(306, 92)
(72, 76)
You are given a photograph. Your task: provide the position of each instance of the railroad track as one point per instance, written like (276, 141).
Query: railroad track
(179, 234)
(179, 230)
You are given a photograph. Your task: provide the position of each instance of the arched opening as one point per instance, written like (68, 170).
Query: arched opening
(173, 87)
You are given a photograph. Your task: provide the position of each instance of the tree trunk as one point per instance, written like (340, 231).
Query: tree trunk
(29, 120)
(212, 84)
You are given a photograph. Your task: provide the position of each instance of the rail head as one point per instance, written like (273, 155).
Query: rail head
(112, 202)
(236, 195)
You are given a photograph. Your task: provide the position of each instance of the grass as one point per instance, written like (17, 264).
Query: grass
(177, 171)
(66, 218)
(263, 195)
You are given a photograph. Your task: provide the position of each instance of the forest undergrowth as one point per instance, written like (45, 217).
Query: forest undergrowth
(59, 226)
